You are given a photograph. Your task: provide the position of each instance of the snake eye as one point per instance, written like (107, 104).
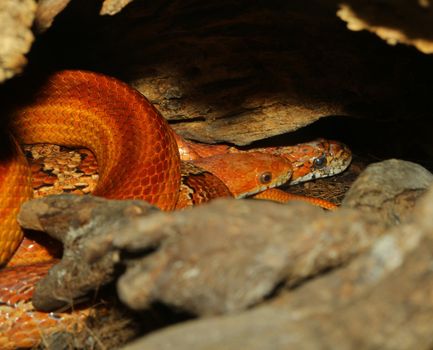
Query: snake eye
(265, 177)
(319, 162)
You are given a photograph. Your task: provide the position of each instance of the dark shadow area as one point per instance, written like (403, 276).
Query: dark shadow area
(8, 148)
(236, 50)
(53, 246)
(375, 140)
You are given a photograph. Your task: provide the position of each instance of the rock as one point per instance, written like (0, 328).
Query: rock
(234, 263)
(237, 261)
(47, 11)
(111, 7)
(381, 300)
(231, 265)
(86, 225)
(395, 22)
(16, 18)
(389, 189)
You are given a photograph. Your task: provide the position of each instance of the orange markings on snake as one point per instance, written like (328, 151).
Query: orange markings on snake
(138, 154)
(136, 150)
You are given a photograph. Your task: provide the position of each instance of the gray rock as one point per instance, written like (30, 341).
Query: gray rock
(381, 300)
(228, 255)
(389, 189)
(86, 226)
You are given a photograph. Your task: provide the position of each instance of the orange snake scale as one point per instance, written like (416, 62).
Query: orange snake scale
(76, 108)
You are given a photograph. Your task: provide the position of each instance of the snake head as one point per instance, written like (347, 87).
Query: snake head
(317, 159)
(246, 174)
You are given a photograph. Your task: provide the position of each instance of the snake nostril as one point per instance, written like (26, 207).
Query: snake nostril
(265, 177)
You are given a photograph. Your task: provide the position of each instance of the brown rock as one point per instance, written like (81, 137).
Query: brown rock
(381, 300)
(16, 18)
(47, 11)
(232, 264)
(210, 265)
(86, 226)
(407, 22)
(111, 7)
(389, 189)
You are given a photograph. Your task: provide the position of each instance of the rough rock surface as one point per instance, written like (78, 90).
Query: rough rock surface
(389, 189)
(86, 226)
(407, 22)
(16, 18)
(382, 299)
(111, 7)
(47, 11)
(229, 266)
(211, 265)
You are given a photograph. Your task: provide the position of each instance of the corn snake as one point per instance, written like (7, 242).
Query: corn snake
(92, 104)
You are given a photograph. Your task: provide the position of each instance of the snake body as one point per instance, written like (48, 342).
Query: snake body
(138, 153)
(136, 149)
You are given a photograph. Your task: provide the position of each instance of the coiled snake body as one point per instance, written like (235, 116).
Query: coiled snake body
(136, 150)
